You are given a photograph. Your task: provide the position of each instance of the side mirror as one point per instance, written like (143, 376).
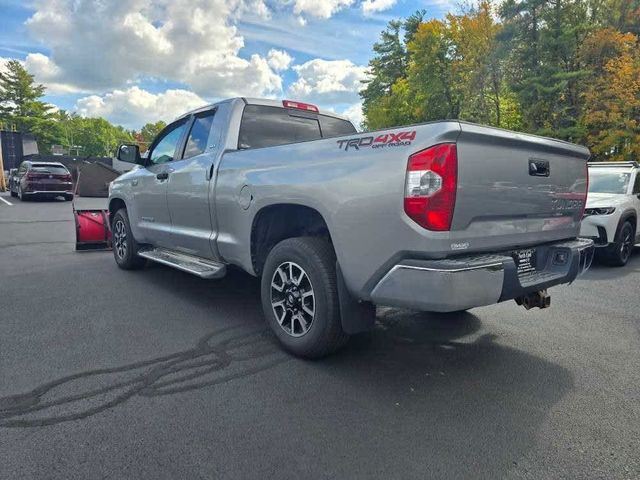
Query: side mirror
(129, 153)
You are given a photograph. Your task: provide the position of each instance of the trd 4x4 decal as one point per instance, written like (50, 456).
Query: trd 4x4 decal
(400, 139)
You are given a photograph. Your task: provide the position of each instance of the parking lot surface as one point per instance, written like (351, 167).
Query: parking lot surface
(157, 374)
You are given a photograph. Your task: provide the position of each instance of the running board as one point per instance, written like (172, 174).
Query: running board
(201, 267)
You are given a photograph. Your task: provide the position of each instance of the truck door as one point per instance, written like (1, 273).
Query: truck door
(189, 188)
(149, 186)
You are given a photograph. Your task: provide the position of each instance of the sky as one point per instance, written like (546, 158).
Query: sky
(139, 61)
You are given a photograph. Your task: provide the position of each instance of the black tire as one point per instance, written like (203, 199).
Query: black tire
(20, 195)
(618, 253)
(13, 194)
(68, 198)
(125, 253)
(316, 258)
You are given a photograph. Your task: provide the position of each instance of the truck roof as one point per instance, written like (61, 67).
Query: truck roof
(257, 101)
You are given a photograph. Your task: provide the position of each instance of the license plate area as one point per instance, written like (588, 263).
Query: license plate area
(525, 260)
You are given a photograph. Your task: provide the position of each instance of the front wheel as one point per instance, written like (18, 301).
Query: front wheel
(300, 299)
(619, 252)
(125, 247)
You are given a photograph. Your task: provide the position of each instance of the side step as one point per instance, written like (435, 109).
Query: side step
(201, 267)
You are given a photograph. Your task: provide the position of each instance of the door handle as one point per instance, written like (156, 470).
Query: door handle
(162, 175)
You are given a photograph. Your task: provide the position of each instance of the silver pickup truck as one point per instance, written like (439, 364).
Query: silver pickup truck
(441, 216)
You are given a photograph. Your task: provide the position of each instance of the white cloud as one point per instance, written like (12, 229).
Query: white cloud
(329, 81)
(47, 73)
(354, 113)
(372, 6)
(97, 45)
(320, 8)
(279, 59)
(134, 106)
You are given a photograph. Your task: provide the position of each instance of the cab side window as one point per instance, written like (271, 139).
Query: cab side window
(199, 135)
(165, 147)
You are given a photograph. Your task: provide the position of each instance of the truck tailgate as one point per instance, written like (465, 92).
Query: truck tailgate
(518, 188)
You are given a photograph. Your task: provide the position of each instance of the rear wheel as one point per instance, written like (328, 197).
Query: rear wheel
(619, 252)
(21, 195)
(68, 198)
(125, 247)
(300, 299)
(13, 193)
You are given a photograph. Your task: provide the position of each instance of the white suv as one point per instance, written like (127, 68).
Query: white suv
(613, 208)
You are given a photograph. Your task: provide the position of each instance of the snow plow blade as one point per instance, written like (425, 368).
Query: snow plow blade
(92, 230)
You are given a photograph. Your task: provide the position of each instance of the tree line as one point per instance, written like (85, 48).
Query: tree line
(563, 68)
(22, 109)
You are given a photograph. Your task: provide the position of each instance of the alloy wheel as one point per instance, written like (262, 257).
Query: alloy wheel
(120, 239)
(627, 244)
(292, 299)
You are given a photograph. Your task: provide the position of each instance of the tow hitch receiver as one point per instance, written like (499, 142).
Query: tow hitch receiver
(540, 299)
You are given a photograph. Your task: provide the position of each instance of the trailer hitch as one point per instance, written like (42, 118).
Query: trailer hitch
(539, 299)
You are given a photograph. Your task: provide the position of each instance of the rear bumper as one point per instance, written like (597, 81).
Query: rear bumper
(48, 192)
(477, 280)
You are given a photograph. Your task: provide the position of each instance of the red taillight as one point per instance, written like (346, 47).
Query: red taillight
(430, 186)
(300, 106)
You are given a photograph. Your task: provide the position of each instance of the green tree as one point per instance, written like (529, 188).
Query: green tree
(544, 65)
(20, 105)
(611, 95)
(19, 94)
(90, 136)
(387, 65)
(150, 130)
(453, 70)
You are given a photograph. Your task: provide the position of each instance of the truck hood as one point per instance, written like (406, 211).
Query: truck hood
(600, 200)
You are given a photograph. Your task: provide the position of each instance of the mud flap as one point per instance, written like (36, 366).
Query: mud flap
(357, 317)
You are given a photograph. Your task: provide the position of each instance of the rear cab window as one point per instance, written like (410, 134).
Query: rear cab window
(54, 169)
(268, 126)
(335, 127)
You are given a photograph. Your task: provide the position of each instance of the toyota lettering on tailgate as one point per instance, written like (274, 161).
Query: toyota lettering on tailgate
(399, 139)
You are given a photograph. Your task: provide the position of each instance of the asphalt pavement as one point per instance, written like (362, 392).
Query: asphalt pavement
(157, 374)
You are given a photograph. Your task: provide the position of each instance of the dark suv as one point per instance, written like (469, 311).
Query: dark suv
(41, 179)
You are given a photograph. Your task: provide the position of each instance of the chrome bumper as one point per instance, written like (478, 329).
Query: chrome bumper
(474, 281)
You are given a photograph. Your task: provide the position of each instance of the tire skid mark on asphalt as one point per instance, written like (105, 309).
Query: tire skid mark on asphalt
(218, 357)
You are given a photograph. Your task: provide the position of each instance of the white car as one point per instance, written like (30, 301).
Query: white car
(612, 210)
